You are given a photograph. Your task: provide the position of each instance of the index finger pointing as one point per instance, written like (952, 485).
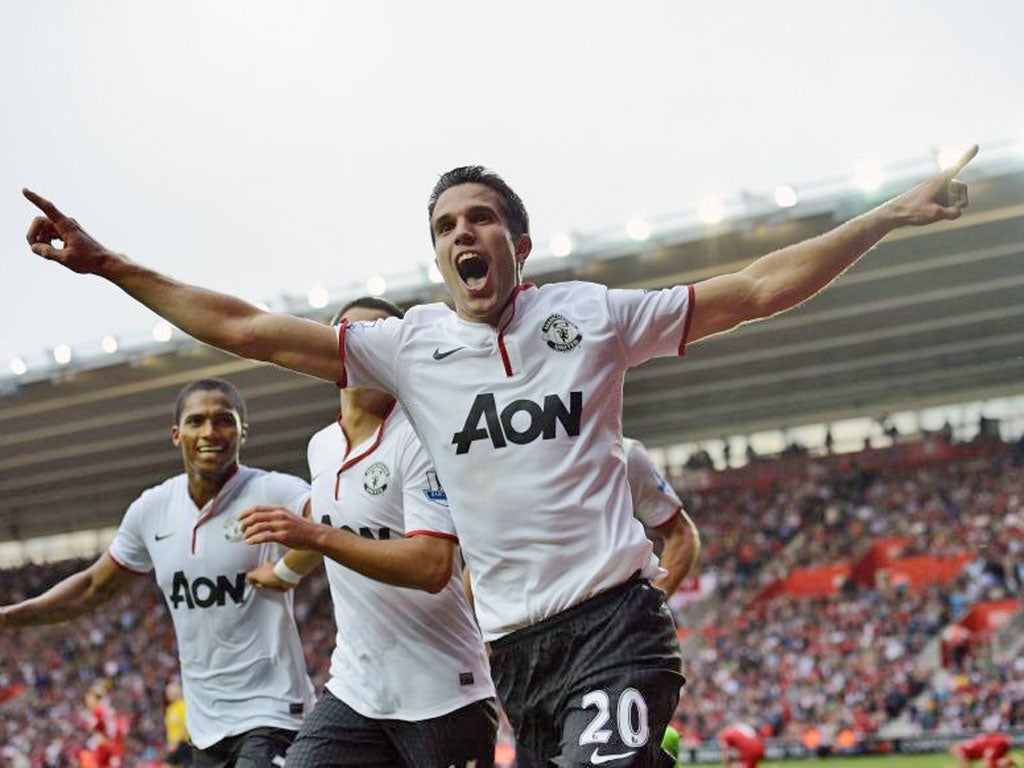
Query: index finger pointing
(44, 205)
(965, 158)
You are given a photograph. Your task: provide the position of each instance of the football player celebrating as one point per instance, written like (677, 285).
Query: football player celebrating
(410, 685)
(516, 394)
(243, 672)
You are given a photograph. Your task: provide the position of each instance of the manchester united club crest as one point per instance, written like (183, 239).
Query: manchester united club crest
(376, 478)
(560, 333)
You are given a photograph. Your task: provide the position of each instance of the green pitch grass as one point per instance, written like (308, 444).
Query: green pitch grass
(943, 760)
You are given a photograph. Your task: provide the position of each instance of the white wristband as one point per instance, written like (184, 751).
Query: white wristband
(284, 573)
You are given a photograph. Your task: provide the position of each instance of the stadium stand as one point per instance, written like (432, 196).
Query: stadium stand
(834, 583)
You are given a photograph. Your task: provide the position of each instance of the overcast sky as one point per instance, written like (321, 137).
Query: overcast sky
(266, 147)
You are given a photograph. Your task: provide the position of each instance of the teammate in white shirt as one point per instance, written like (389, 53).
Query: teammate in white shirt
(242, 667)
(410, 685)
(517, 397)
(656, 505)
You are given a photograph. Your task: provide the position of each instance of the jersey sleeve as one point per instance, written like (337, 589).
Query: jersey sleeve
(369, 354)
(651, 323)
(424, 500)
(128, 549)
(654, 500)
(287, 491)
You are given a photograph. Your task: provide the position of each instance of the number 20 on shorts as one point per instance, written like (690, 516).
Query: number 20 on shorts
(630, 718)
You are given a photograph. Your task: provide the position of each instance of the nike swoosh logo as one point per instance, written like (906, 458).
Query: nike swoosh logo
(439, 355)
(159, 537)
(597, 758)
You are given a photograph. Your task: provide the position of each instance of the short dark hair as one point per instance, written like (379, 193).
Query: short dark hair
(210, 385)
(369, 302)
(515, 211)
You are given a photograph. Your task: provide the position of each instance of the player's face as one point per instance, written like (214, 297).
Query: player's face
(210, 434)
(475, 251)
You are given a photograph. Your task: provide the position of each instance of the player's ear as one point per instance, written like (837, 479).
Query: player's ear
(175, 436)
(245, 433)
(523, 245)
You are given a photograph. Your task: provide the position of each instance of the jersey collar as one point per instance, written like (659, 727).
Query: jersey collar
(348, 461)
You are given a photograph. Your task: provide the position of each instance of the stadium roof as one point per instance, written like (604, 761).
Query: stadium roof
(933, 316)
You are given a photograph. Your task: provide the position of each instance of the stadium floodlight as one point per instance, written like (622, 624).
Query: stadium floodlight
(62, 354)
(785, 196)
(376, 285)
(711, 210)
(18, 367)
(109, 344)
(867, 178)
(947, 156)
(638, 229)
(318, 297)
(163, 331)
(560, 246)
(434, 274)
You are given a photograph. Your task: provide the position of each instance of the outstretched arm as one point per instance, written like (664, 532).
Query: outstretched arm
(78, 594)
(783, 279)
(215, 318)
(421, 562)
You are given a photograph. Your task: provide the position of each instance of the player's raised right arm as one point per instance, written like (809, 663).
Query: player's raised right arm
(76, 595)
(215, 318)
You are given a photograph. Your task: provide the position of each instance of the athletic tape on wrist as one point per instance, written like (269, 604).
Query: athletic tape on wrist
(284, 573)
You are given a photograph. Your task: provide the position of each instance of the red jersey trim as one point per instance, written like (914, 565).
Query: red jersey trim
(342, 327)
(124, 567)
(501, 331)
(213, 509)
(348, 447)
(435, 534)
(691, 303)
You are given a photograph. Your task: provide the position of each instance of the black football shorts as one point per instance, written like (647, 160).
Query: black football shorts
(593, 685)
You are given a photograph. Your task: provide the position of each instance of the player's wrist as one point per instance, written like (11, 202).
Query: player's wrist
(286, 574)
(108, 264)
(323, 539)
(891, 215)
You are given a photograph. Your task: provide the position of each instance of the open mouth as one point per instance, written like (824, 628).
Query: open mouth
(472, 268)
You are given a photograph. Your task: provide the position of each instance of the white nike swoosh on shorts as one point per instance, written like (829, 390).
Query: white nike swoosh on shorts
(597, 758)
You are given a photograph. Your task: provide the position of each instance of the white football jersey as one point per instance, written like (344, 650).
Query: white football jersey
(401, 654)
(654, 501)
(524, 425)
(242, 664)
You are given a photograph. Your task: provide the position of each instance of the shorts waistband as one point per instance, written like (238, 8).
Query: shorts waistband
(569, 614)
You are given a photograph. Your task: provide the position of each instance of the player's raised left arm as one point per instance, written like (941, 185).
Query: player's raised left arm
(785, 278)
(420, 562)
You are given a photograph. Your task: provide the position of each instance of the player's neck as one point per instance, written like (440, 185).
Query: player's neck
(203, 487)
(362, 411)
(497, 317)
